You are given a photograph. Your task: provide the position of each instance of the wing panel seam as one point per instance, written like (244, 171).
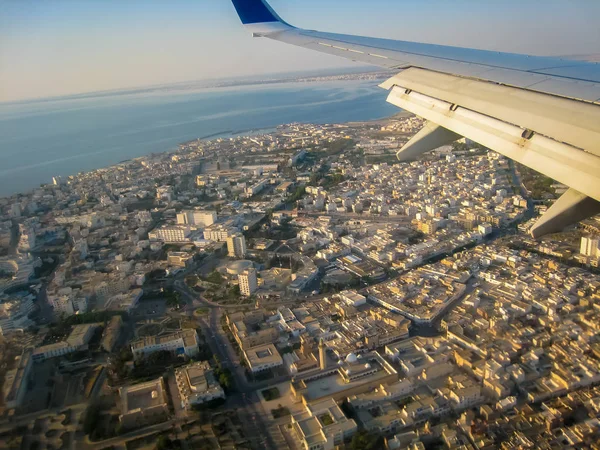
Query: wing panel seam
(533, 71)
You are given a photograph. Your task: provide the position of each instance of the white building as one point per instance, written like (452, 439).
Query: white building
(124, 302)
(26, 238)
(236, 245)
(81, 304)
(78, 339)
(353, 298)
(263, 357)
(116, 285)
(248, 282)
(164, 193)
(297, 157)
(176, 233)
(197, 384)
(218, 233)
(52, 351)
(183, 342)
(81, 335)
(256, 188)
(466, 397)
(143, 404)
(323, 426)
(197, 218)
(590, 246)
(485, 229)
(14, 314)
(63, 302)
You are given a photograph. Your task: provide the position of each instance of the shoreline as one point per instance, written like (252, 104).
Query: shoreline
(153, 146)
(208, 138)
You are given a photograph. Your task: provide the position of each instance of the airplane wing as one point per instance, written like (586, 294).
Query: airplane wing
(539, 111)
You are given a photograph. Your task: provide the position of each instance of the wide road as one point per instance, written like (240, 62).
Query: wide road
(258, 424)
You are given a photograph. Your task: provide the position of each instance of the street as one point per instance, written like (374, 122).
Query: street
(259, 426)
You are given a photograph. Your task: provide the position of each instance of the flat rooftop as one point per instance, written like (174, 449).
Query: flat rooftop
(335, 383)
(143, 396)
(78, 333)
(50, 347)
(263, 354)
(188, 336)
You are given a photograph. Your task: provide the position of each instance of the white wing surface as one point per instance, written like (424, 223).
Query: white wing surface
(542, 112)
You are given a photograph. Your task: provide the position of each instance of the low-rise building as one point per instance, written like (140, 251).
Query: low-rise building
(197, 218)
(81, 334)
(466, 397)
(143, 404)
(183, 342)
(52, 351)
(14, 313)
(168, 234)
(262, 358)
(323, 426)
(197, 384)
(355, 375)
(179, 259)
(15, 381)
(77, 340)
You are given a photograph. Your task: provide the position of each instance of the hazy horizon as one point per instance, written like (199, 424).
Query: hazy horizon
(59, 48)
(209, 83)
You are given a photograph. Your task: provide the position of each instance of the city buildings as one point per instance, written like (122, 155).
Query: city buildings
(197, 384)
(16, 381)
(17, 271)
(171, 234)
(143, 404)
(197, 218)
(251, 330)
(590, 246)
(15, 311)
(183, 342)
(77, 340)
(236, 245)
(353, 375)
(424, 247)
(423, 294)
(262, 357)
(248, 282)
(322, 426)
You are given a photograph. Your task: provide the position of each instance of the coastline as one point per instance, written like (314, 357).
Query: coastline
(158, 126)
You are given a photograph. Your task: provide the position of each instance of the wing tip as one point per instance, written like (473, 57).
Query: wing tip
(255, 11)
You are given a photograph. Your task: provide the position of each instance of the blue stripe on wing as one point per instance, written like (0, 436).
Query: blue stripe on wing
(255, 11)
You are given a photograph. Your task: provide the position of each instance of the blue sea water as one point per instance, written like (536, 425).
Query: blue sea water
(44, 138)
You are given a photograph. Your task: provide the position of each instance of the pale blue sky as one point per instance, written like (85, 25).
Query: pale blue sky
(57, 47)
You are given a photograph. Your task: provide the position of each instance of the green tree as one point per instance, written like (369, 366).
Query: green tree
(215, 277)
(363, 440)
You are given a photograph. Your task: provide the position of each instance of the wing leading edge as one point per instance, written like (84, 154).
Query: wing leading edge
(552, 105)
